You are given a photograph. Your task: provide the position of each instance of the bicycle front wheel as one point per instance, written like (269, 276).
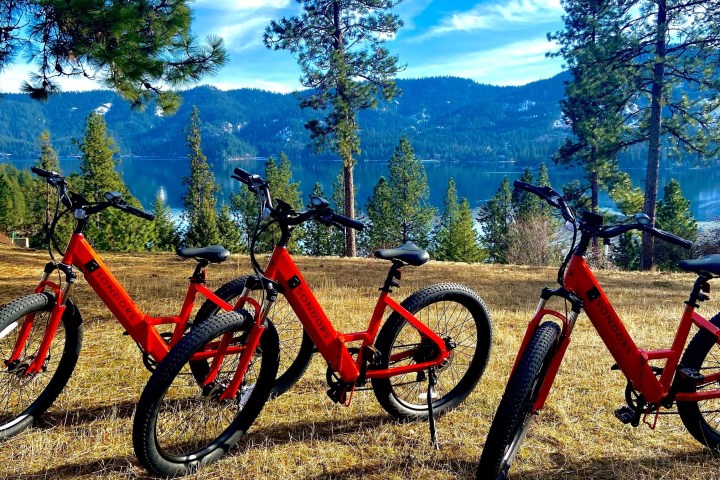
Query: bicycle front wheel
(514, 414)
(179, 424)
(296, 346)
(24, 398)
(702, 419)
(456, 314)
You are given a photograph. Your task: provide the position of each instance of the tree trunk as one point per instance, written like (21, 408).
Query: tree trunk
(594, 193)
(349, 187)
(653, 163)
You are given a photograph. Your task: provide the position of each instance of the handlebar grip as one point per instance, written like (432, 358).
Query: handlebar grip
(139, 212)
(242, 175)
(669, 237)
(45, 173)
(347, 222)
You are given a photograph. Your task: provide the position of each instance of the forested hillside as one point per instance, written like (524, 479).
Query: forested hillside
(450, 119)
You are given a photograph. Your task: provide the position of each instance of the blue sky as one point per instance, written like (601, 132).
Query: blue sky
(499, 42)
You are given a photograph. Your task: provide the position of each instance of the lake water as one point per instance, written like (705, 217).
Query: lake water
(146, 177)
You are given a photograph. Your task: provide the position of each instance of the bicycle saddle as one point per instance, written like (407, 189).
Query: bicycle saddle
(709, 264)
(408, 253)
(212, 253)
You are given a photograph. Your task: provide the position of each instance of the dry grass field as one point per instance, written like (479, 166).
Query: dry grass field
(304, 435)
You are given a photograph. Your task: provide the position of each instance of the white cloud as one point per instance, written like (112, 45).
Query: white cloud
(497, 16)
(235, 5)
(244, 34)
(512, 64)
(12, 79)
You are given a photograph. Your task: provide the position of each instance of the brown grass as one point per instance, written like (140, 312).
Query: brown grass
(304, 435)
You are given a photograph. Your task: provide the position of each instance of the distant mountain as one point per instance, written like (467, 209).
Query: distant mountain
(446, 118)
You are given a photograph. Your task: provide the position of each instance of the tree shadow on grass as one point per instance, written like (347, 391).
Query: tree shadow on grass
(122, 410)
(295, 432)
(687, 465)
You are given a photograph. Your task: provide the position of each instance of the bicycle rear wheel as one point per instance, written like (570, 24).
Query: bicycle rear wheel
(296, 346)
(180, 425)
(24, 398)
(702, 419)
(456, 314)
(514, 414)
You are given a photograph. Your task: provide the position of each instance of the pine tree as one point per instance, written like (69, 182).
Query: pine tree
(12, 200)
(409, 195)
(199, 200)
(228, 231)
(459, 242)
(674, 216)
(110, 229)
(383, 232)
(166, 234)
(525, 203)
(496, 219)
(136, 47)
(442, 249)
(245, 205)
(659, 58)
(42, 199)
(336, 43)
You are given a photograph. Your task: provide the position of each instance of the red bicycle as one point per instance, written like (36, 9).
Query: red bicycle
(425, 360)
(688, 379)
(41, 334)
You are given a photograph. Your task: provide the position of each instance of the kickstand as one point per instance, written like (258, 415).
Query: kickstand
(432, 378)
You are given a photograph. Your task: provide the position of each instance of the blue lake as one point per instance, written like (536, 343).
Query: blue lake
(147, 177)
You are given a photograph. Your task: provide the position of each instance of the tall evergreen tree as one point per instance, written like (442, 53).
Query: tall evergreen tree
(228, 231)
(596, 97)
(137, 47)
(110, 229)
(442, 243)
(166, 234)
(674, 216)
(340, 46)
(383, 231)
(12, 200)
(282, 187)
(496, 218)
(199, 201)
(42, 198)
(457, 239)
(409, 195)
(669, 53)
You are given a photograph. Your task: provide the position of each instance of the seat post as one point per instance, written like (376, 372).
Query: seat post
(198, 275)
(393, 277)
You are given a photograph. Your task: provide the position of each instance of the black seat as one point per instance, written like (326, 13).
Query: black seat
(708, 265)
(408, 253)
(212, 253)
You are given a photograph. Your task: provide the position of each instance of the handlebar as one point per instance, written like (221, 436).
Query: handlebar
(616, 230)
(668, 237)
(552, 197)
(45, 173)
(138, 212)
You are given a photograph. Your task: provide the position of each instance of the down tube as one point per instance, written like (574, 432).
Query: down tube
(597, 306)
(115, 297)
(328, 341)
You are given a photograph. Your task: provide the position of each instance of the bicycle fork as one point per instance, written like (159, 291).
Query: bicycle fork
(56, 315)
(568, 323)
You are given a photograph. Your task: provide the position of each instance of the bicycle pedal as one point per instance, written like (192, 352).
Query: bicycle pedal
(337, 395)
(625, 414)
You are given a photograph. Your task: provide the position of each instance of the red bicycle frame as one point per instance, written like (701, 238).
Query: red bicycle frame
(633, 361)
(140, 326)
(330, 343)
